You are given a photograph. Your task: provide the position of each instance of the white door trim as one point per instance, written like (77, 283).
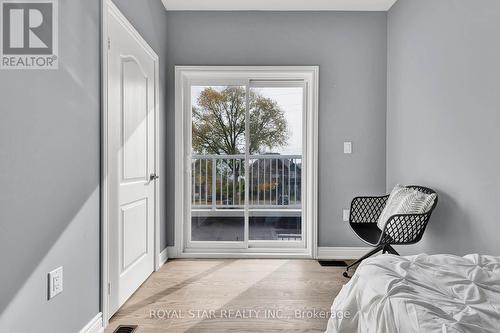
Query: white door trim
(182, 78)
(108, 7)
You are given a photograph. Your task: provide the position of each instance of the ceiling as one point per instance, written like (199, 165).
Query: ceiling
(282, 5)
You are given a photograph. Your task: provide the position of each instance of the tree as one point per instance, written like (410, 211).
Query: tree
(219, 122)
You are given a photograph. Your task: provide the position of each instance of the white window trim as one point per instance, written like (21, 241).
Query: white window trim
(310, 75)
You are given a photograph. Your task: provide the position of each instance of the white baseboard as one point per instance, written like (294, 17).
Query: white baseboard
(162, 259)
(172, 252)
(94, 325)
(342, 252)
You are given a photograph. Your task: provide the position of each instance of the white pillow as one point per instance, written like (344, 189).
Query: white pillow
(403, 200)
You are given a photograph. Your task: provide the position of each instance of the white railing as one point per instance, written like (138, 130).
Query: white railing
(218, 181)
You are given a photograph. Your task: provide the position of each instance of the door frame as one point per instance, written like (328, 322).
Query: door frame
(108, 7)
(310, 75)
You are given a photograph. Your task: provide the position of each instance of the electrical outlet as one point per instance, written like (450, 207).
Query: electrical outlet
(345, 215)
(348, 147)
(55, 282)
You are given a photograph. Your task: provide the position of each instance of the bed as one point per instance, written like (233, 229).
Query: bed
(422, 293)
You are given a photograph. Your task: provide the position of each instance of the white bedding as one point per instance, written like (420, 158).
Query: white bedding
(423, 293)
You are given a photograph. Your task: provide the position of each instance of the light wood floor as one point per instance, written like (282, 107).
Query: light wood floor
(243, 295)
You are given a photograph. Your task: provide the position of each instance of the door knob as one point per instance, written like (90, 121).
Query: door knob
(153, 176)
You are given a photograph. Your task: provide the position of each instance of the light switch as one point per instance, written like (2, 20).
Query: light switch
(348, 147)
(55, 282)
(345, 215)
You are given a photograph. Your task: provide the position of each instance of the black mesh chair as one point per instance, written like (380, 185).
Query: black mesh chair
(400, 229)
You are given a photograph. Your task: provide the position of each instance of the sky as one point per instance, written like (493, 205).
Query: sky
(290, 100)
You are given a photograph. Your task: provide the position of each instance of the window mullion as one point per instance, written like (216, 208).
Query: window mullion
(247, 161)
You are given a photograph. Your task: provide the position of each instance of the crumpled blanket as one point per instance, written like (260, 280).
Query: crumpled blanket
(422, 293)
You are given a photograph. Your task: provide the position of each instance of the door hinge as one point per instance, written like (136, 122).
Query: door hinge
(109, 288)
(109, 43)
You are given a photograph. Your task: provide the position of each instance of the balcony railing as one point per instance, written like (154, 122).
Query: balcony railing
(274, 181)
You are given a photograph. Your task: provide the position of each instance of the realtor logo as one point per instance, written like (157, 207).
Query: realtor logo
(29, 34)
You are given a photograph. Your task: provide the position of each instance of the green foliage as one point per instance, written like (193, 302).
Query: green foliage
(219, 122)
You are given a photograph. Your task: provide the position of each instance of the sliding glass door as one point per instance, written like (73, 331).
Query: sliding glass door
(275, 163)
(218, 164)
(245, 142)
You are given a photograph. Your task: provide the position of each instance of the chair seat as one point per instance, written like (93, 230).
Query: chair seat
(368, 232)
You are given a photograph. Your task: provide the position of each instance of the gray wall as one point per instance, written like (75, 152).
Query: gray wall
(49, 173)
(443, 116)
(350, 49)
(49, 176)
(149, 18)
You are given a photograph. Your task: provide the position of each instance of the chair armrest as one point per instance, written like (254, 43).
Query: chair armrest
(367, 209)
(405, 228)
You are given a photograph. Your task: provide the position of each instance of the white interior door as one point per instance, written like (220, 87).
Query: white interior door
(132, 177)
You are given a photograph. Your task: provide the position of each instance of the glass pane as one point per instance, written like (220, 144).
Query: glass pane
(218, 163)
(275, 172)
(218, 228)
(275, 227)
(276, 120)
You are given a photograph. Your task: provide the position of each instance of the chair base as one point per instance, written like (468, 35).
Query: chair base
(384, 248)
